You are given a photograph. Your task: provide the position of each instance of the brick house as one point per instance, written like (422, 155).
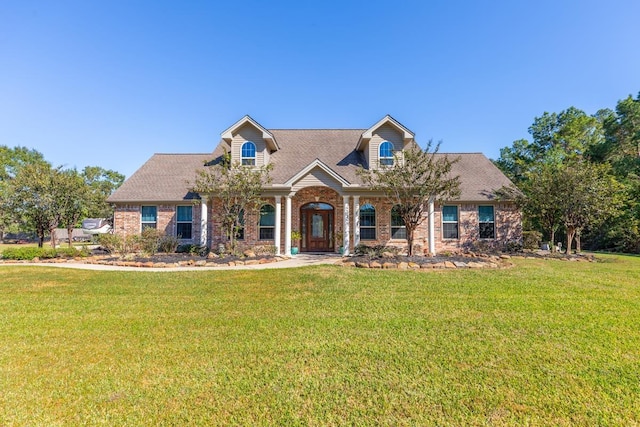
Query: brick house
(315, 190)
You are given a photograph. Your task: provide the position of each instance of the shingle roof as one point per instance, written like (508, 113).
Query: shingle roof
(166, 177)
(163, 178)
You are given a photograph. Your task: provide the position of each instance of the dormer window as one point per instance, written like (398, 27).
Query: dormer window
(248, 154)
(386, 154)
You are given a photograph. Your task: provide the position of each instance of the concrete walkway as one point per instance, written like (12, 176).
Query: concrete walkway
(300, 260)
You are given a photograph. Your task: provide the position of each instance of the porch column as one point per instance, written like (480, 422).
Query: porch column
(432, 237)
(203, 220)
(278, 230)
(287, 226)
(345, 226)
(356, 221)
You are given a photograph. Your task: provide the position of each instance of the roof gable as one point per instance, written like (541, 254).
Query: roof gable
(227, 135)
(407, 135)
(316, 164)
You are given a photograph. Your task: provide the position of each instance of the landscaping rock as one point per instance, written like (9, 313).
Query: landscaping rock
(403, 265)
(375, 264)
(449, 264)
(389, 265)
(362, 264)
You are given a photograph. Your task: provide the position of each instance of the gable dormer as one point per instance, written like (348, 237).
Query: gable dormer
(251, 144)
(384, 142)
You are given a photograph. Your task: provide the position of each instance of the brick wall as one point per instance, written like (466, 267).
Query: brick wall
(127, 220)
(508, 222)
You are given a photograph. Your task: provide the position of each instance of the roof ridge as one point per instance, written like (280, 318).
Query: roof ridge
(358, 129)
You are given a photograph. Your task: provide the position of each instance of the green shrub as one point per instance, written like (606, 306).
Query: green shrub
(168, 244)
(192, 249)
(116, 244)
(29, 253)
(531, 239)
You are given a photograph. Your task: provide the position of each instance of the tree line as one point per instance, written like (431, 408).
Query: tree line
(37, 197)
(579, 177)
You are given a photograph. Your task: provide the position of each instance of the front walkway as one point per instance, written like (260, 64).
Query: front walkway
(300, 260)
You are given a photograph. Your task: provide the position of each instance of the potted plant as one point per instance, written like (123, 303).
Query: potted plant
(339, 237)
(295, 238)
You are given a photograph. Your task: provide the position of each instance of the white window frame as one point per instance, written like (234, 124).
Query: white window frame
(386, 160)
(485, 222)
(178, 221)
(248, 160)
(456, 222)
(369, 227)
(147, 224)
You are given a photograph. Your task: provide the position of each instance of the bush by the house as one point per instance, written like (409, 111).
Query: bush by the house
(168, 244)
(29, 253)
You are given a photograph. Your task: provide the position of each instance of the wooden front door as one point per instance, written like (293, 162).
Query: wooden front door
(317, 230)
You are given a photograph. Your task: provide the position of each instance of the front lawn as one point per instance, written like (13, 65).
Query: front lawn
(544, 343)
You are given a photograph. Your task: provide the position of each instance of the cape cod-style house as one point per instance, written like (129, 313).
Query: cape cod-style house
(315, 190)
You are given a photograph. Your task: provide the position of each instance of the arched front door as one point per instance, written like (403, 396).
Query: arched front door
(316, 225)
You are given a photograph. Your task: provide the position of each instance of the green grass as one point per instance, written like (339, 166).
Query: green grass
(545, 343)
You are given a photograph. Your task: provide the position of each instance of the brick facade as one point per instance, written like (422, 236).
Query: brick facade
(507, 222)
(127, 220)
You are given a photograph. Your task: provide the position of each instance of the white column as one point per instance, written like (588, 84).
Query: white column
(432, 237)
(345, 226)
(278, 230)
(356, 221)
(287, 226)
(203, 220)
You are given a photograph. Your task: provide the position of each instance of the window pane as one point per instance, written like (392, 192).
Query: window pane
(450, 230)
(185, 213)
(367, 216)
(386, 149)
(487, 230)
(398, 233)
(248, 149)
(450, 213)
(149, 214)
(183, 230)
(266, 233)
(267, 216)
(368, 233)
(485, 213)
(396, 219)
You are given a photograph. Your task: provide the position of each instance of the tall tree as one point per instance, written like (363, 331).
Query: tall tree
(589, 195)
(72, 199)
(416, 178)
(101, 184)
(33, 198)
(12, 160)
(238, 190)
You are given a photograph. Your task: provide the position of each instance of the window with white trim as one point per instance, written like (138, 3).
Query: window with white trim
(486, 221)
(267, 222)
(449, 222)
(367, 222)
(248, 154)
(398, 227)
(184, 222)
(149, 217)
(386, 154)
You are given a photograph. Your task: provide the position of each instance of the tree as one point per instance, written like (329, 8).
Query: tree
(72, 200)
(101, 184)
(590, 195)
(12, 160)
(416, 178)
(33, 198)
(236, 187)
(541, 201)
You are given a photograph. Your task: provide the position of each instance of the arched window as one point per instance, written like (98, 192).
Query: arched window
(367, 222)
(248, 154)
(386, 154)
(267, 222)
(398, 228)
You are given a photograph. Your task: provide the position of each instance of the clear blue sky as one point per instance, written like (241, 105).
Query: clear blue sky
(109, 83)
